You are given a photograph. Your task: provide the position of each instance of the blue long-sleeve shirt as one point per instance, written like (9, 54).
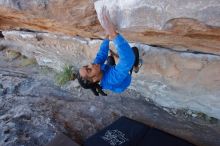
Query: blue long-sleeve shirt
(116, 78)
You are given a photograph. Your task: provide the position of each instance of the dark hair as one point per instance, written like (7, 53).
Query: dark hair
(86, 84)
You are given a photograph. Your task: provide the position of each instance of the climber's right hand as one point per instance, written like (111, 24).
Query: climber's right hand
(106, 23)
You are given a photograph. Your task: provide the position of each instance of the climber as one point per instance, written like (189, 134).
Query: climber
(110, 76)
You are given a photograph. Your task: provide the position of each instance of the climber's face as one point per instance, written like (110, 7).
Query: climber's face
(91, 72)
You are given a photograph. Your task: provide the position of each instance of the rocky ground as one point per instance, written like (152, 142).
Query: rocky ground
(33, 108)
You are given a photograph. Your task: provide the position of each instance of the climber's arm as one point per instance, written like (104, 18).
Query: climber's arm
(111, 33)
(103, 52)
(126, 55)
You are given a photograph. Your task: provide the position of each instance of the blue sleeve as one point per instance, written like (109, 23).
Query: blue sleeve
(103, 53)
(125, 53)
(125, 63)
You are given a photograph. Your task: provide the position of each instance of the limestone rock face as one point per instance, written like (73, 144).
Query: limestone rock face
(180, 80)
(181, 25)
(181, 67)
(181, 77)
(171, 79)
(154, 14)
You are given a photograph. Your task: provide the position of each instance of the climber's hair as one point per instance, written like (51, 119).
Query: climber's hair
(86, 84)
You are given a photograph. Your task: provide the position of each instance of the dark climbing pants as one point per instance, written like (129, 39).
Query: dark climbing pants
(111, 60)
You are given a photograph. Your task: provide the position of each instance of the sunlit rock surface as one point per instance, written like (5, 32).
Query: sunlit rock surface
(181, 25)
(154, 14)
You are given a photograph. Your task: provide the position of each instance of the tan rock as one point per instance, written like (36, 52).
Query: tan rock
(169, 24)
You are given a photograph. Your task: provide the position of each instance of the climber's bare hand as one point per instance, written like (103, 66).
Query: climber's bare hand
(106, 23)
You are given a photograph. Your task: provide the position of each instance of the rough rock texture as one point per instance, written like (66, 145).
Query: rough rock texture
(186, 76)
(157, 13)
(36, 109)
(169, 78)
(182, 25)
(51, 50)
(181, 80)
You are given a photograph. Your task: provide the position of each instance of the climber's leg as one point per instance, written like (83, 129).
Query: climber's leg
(138, 62)
(110, 60)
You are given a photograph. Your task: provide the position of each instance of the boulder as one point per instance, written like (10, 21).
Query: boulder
(180, 25)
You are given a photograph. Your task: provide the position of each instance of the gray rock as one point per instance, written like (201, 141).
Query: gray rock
(1, 92)
(2, 47)
(28, 121)
(155, 13)
(5, 117)
(1, 86)
(10, 89)
(74, 84)
(194, 115)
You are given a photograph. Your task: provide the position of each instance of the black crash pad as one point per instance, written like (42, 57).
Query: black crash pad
(62, 140)
(127, 132)
(156, 137)
(123, 132)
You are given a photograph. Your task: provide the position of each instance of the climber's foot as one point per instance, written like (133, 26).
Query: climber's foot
(137, 68)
